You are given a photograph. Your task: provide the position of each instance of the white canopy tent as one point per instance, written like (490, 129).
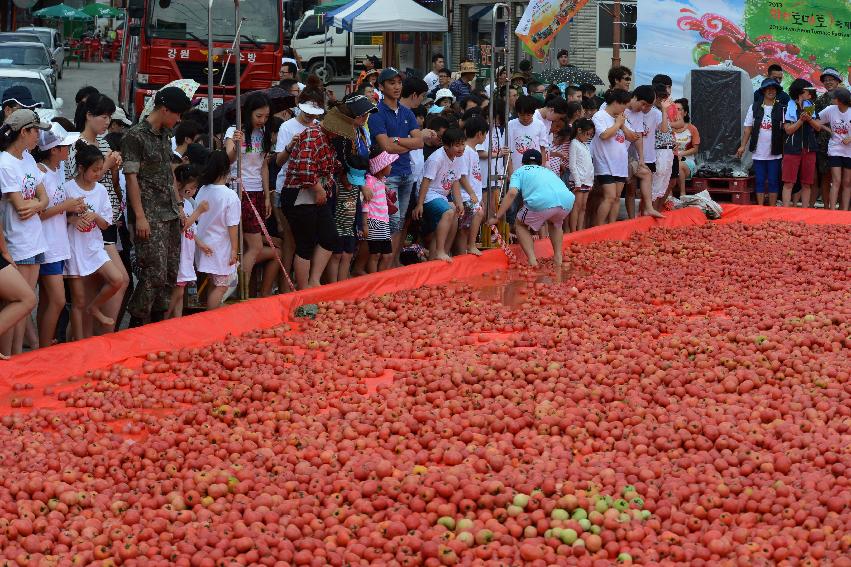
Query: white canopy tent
(386, 16)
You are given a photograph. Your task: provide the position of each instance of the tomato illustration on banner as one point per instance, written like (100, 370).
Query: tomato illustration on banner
(542, 21)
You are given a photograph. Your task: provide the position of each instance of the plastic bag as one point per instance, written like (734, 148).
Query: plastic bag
(702, 201)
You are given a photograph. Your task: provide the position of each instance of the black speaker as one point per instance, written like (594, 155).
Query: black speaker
(136, 8)
(716, 111)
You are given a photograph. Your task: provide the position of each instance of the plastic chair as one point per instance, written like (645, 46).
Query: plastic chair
(75, 52)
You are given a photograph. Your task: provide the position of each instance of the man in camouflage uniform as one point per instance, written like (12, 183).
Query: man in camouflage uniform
(154, 208)
(832, 80)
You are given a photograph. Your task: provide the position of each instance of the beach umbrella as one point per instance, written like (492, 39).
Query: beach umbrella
(102, 11)
(570, 75)
(186, 85)
(61, 12)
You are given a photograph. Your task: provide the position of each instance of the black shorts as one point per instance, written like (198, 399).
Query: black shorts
(312, 225)
(3, 262)
(839, 161)
(380, 246)
(675, 168)
(651, 166)
(610, 179)
(345, 245)
(110, 234)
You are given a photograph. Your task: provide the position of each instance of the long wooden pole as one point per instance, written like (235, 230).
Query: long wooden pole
(616, 34)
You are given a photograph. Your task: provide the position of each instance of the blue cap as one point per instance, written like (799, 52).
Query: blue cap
(389, 73)
(770, 83)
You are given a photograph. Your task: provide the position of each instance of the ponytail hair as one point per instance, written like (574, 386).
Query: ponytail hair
(7, 137)
(186, 173)
(581, 125)
(96, 105)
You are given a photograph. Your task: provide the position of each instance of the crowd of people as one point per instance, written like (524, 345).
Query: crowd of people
(103, 218)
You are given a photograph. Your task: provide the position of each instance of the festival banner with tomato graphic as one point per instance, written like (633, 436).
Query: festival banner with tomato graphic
(802, 36)
(542, 21)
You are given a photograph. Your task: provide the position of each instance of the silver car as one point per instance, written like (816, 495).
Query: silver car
(29, 55)
(35, 83)
(52, 40)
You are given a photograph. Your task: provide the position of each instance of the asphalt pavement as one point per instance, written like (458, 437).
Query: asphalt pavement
(103, 76)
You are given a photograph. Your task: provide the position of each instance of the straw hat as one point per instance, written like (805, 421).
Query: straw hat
(468, 67)
(338, 123)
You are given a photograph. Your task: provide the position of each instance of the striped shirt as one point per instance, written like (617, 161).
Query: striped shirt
(376, 209)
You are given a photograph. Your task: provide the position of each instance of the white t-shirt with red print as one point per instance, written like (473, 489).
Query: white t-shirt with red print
(87, 251)
(186, 270)
(24, 238)
(521, 138)
(472, 168)
(442, 172)
(763, 141)
(610, 155)
(840, 127)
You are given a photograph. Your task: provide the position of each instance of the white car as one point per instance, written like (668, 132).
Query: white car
(52, 41)
(37, 85)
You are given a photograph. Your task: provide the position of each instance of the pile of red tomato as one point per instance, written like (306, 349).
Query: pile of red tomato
(682, 397)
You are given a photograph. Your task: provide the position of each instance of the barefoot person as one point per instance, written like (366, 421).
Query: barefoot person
(545, 200)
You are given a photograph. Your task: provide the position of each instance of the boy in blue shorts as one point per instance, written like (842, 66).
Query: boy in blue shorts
(546, 199)
(442, 175)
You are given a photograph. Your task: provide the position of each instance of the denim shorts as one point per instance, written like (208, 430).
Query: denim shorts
(32, 260)
(433, 211)
(404, 187)
(52, 268)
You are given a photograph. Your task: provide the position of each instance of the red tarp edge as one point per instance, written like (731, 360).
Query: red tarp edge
(48, 366)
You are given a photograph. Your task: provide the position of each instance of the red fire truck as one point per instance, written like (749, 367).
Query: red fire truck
(166, 40)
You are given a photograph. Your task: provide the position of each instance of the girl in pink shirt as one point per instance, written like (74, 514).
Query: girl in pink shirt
(376, 213)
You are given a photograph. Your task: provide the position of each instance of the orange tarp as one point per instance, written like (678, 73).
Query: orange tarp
(48, 366)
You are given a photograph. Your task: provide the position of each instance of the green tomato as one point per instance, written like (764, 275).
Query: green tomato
(521, 500)
(645, 514)
(447, 522)
(464, 525)
(579, 543)
(623, 517)
(638, 502)
(549, 533)
(568, 536)
(621, 505)
(514, 510)
(559, 514)
(585, 524)
(624, 557)
(595, 530)
(580, 514)
(601, 505)
(466, 537)
(628, 488)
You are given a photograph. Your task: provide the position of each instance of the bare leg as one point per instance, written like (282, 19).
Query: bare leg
(52, 301)
(321, 256)
(113, 304)
(645, 179)
(443, 236)
(78, 307)
(608, 200)
(113, 283)
(19, 300)
(836, 182)
(760, 199)
(630, 198)
(845, 201)
(557, 238)
(30, 274)
(787, 194)
(475, 228)
(175, 308)
(361, 259)
(580, 206)
(253, 247)
(214, 297)
(385, 262)
(345, 267)
(332, 271)
(287, 250)
(772, 199)
(372, 265)
(302, 271)
(526, 242)
(684, 171)
(806, 195)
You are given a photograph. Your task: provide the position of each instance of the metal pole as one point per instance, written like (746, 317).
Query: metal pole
(243, 277)
(352, 59)
(494, 12)
(210, 75)
(616, 34)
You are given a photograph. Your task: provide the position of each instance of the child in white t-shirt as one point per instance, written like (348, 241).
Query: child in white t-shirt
(643, 120)
(186, 184)
(24, 198)
(609, 150)
(475, 129)
(838, 118)
(581, 171)
(53, 149)
(525, 133)
(442, 177)
(88, 258)
(218, 227)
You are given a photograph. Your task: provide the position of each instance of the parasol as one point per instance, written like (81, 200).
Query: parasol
(61, 12)
(102, 11)
(570, 75)
(186, 85)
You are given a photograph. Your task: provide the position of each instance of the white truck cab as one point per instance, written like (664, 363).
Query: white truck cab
(309, 42)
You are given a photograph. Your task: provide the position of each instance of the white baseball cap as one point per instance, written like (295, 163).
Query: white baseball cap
(56, 136)
(311, 108)
(443, 93)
